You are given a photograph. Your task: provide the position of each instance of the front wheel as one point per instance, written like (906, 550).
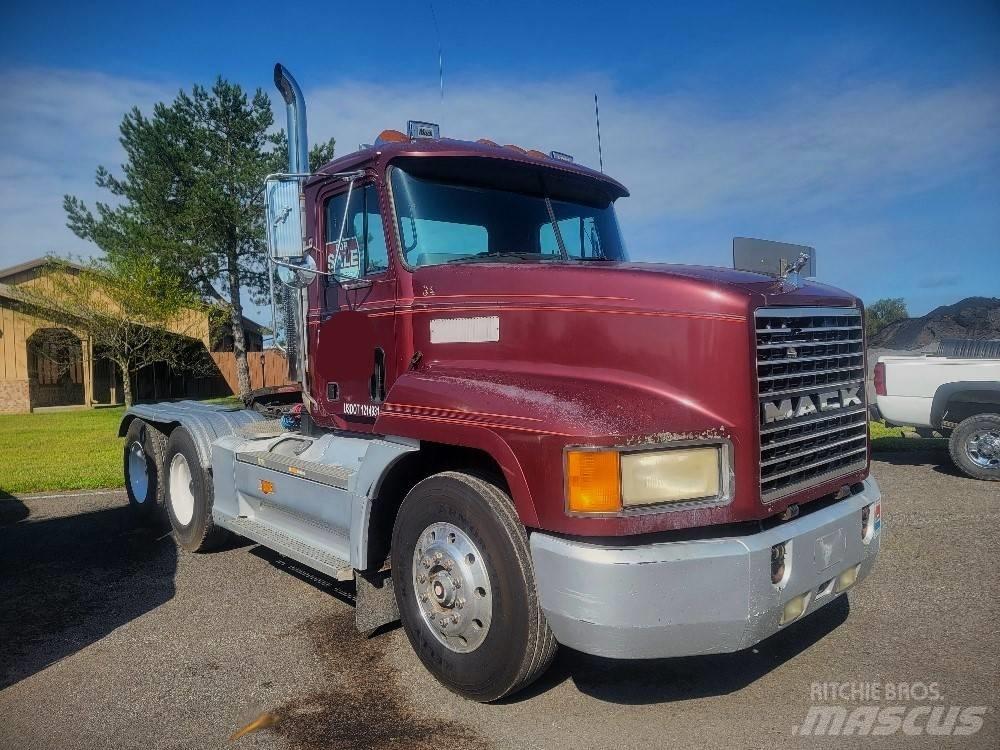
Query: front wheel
(461, 569)
(975, 446)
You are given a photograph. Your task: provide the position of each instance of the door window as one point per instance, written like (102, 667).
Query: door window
(361, 249)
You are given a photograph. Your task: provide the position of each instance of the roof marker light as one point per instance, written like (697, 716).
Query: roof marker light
(560, 156)
(417, 129)
(516, 148)
(390, 136)
(536, 153)
(488, 142)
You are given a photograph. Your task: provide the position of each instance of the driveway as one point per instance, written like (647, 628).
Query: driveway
(111, 637)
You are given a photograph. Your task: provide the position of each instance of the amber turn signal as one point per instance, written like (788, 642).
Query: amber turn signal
(593, 482)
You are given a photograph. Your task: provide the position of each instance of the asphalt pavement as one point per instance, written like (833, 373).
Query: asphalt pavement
(112, 637)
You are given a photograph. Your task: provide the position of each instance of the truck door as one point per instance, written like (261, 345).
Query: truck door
(355, 337)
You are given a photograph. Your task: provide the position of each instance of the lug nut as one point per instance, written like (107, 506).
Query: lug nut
(423, 597)
(454, 619)
(460, 603)
(422, 578)
(448, 565)
(438, 555)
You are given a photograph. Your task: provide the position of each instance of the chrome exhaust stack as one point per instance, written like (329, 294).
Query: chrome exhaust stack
(295, 112)
(285, 219)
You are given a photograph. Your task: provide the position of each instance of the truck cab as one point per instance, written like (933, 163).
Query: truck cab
(512, 436)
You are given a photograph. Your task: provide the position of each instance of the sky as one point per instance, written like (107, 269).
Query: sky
(869, 130)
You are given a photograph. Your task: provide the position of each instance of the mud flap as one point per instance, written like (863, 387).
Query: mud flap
(376, 602)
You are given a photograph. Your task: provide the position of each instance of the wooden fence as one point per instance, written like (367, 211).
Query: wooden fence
(267, 368)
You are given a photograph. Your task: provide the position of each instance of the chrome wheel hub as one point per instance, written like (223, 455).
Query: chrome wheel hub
(452, 587)
(984, 448)
(138, 473)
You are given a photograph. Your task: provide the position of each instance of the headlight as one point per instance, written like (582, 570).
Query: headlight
(608, 481)
(671, 476)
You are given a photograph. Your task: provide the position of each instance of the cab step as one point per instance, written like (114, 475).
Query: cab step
(289, 546)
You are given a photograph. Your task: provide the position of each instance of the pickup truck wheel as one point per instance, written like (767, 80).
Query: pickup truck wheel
(975, 446)
(143, 454)
(461, 569)
(189, 496)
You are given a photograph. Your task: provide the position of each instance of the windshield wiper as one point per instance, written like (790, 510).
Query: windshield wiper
(486, 257)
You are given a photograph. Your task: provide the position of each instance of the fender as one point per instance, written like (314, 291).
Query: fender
(524, 420)
(985, 391)
(204, 422)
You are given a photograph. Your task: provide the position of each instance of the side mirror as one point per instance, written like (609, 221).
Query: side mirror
(284, 214)
(773, 258)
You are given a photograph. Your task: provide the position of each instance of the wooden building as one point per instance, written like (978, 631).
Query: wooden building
(44, 363)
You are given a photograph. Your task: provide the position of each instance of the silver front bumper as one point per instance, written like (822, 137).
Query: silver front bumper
(697, 597)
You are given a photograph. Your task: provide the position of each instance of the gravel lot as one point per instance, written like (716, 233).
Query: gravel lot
(111, 637)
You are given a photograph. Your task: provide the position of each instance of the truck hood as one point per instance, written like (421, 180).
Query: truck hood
(655, 286)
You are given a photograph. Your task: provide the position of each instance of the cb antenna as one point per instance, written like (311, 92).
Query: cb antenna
(437, 33)
(597, 117)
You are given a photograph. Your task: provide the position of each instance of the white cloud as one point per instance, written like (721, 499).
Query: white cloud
(55, 128)
(682, 156)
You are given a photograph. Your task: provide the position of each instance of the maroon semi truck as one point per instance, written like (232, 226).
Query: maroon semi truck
(510, 437)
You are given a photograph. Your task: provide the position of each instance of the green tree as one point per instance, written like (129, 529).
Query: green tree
(134, 312)
(189, 196)
(882, 312)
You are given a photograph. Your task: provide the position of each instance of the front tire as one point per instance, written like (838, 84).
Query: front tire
(461, 569)
(975, 446)
(189, 496)
(145, 447)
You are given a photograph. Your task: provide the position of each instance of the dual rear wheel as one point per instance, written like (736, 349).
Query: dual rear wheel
(165, 472)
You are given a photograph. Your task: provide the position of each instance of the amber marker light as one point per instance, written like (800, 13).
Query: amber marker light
(266, 486)
(593, 482)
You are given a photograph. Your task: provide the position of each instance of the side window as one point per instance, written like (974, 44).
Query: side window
(361, 249)
(376, 253)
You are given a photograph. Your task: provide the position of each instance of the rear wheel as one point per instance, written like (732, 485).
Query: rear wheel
(189, 495)
(975, 446)
(464, 584)
(144, 450)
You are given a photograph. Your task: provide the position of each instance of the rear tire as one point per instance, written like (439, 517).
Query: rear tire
(454, 527)
(145, 447)
(975, 446)
(189, 496)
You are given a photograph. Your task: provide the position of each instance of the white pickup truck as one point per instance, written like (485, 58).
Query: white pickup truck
(959, 397)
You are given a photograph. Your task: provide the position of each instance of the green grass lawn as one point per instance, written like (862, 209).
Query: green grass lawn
(67, 450)
(885, 438)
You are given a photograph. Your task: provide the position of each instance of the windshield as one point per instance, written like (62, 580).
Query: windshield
(447, 222)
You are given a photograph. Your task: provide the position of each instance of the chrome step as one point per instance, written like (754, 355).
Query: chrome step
(290, 546)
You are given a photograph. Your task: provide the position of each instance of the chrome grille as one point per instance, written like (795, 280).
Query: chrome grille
(811, 396)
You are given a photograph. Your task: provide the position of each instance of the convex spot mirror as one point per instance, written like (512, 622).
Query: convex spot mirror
(297, 273)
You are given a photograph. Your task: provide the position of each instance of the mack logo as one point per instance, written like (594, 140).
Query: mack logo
(789, 408)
